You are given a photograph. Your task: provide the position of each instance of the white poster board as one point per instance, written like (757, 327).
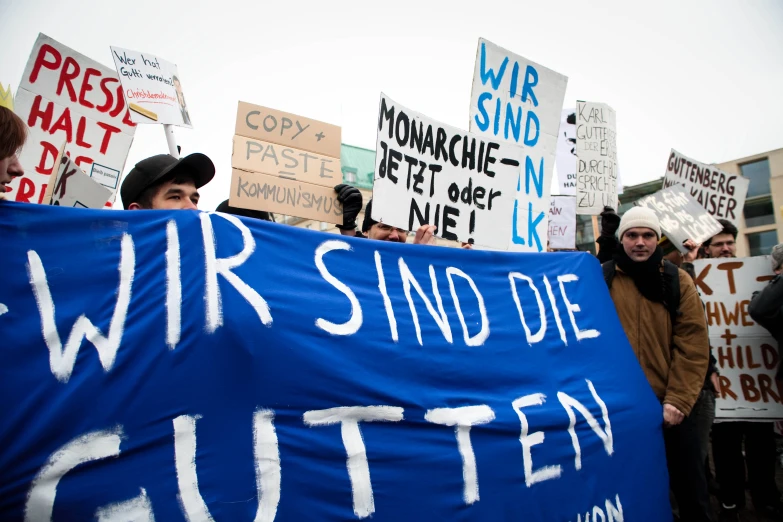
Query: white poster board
(152, 88)
(65, 96)
(596, 153)
(747, 354)
(681, 217)
(566, 153)
(720, 193)
(430, 173)
(516, 100)
(562, 223)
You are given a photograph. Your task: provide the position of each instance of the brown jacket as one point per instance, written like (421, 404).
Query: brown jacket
(675, 362)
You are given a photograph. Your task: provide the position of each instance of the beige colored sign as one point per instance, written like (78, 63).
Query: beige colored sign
(256, 191)
(285, 162)
(290, 130)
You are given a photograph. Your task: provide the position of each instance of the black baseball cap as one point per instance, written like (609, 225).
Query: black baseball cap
(244, 212)
(150, 171)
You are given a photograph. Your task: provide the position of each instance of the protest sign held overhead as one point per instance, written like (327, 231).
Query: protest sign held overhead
(596, 153)
(681, 217)
(747, 354)
(516, 100)
(720, 193)
(566, 153)
(6, 97)
(285, 163)
(238, 369)
(152, 88)
(562, 223)
(66, 96)
(427, 173)
(73, 188)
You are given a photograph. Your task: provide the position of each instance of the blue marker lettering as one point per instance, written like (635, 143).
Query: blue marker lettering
(497, 117)
(531, 80)
(490, 75)
(516, 126)
(532, 233)
(530, 171)
(515, 237)
(483, 126)
(531, 117)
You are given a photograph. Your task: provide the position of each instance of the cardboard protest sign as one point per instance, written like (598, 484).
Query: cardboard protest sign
(562, 222)
(285, 196)
(290, 130)
(286, 164)
(74, 188)
(596, 153)
(747, 354)
(720, 193)
(681, 217)
(66, 96)
(427, 173)
(152, 88)
(6, 97)
(237, 370)
(514, 99)
(566, 153)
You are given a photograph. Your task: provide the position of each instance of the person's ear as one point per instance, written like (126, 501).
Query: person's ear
(134, 206)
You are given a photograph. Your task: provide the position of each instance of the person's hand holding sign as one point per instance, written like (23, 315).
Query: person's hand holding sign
(425, 235)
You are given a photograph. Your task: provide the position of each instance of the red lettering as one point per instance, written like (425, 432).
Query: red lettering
(86, 87)
(64, 123)
(120, 103)
(80, 133)
(40, 61)
(48, 149)
(728, 317)
(83, 160)
(725, 388)
(765, 384)
(729, 268)
(744, 311)
(725, 360)
(749, 358)
(749, 390)
(699, 281)
(68, 73)
(26, 189)
(35, 113)
(110, 129)
(770, 356)
(127, 120)
(109, 96)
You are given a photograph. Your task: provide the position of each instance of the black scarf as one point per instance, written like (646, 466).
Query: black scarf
(646, 275)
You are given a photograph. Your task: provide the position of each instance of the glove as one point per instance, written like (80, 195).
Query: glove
(610, 222)
(351, 199)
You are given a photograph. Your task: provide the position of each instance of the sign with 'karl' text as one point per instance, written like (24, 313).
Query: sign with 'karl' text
(65, 96)
(746, 352)
(519, 101)
(152, 88)
(720, 193)
(681, 217)
(199, 366)
(428, 173)
(596, 153)
(286, 164)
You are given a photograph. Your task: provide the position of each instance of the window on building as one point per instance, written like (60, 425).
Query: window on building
(761, 243)
(758, 174)
(760, 212)
(349, 175)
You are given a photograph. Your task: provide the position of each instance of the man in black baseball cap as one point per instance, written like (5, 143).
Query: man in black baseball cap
(164, 182)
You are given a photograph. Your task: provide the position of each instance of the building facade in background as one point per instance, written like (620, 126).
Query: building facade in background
(761, 226)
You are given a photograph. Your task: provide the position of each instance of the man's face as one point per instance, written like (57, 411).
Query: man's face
(174, 196)
(10, 168)
(180, 95)
(722, 245)
(383, 232)
(639, 243)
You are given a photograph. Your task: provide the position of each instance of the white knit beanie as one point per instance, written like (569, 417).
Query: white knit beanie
(639, 217)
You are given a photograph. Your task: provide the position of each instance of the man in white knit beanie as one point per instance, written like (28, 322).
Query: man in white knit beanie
(668, 333)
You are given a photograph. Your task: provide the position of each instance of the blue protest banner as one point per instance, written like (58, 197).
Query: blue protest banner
(177, 365)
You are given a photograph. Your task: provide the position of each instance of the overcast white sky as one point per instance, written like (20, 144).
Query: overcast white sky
(703, 77)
